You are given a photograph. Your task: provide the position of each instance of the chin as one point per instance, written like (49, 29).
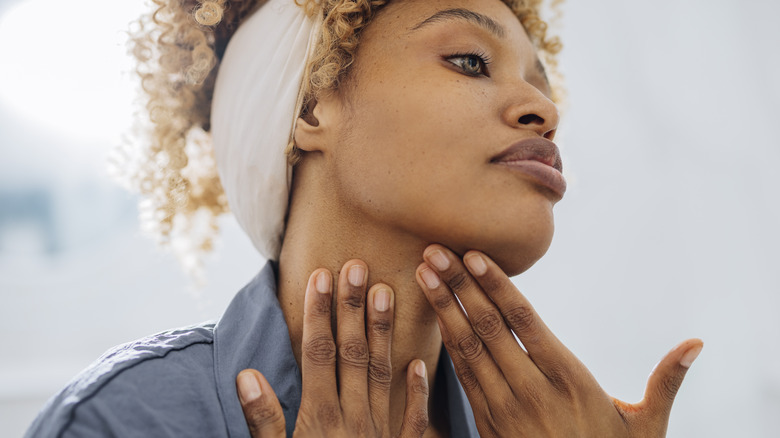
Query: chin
(513, 254)
(518, 261)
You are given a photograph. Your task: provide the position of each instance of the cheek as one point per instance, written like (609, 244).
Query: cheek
(408, 149)
(413, 128)
(398, 139)
(414, 157)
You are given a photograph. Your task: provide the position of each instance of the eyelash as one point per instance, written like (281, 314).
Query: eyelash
(482, 57)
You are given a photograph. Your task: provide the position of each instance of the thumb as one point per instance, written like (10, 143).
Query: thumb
(666, 378)
(262, 410)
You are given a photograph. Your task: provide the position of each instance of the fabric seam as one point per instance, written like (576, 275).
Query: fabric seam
(72, 413)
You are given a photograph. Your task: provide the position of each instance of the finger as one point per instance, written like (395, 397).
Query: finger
(416, 410)
(380, 335)
(262, 410)
(468, 380)
(351, 339)
(318, 351)
(486, 319)
(665, 380)
(543, 347)
(462, 340)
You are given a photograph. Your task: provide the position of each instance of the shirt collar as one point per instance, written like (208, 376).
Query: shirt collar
(253, 334)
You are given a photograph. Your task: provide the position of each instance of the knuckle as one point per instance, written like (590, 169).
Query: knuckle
(328, 415)
(382, 327)
(488, 326)
(467, 378)
(260, 414)
(458, 282)
(509, 407)
(533, 398)
(380, 372)
(492, 282)
(354, 300)
(560, 377)
(320, 351)
(521, 318)
(359, 426)
(419, 387)
(670, 384)
(443, 301)
(354, 352)
(321, 308)
(418, 420)
(470, 347)
(450, 346)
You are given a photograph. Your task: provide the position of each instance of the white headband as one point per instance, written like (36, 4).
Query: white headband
(257, 99)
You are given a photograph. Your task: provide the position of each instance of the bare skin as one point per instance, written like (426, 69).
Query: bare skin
(401, 157)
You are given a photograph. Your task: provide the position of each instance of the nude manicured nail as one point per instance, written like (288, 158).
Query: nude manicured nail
(419, 369)
(476, 264)
(439, 260)
(248, 387)
(322, 283)
(382, 300)
(356, 275)
(690, 356)
(430, 278)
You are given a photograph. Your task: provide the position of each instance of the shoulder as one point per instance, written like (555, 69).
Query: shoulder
(161, 385)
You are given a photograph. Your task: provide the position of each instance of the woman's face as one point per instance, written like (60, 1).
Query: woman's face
(439, 89)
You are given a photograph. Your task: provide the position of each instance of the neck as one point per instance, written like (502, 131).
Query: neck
(324, 235)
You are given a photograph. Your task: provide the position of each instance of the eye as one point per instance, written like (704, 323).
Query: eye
(472, 64)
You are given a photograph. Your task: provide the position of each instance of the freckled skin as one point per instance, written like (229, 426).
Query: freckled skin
(400, 158)
(434, 130)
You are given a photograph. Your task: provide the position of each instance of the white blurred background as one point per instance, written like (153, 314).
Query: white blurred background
(669, 229)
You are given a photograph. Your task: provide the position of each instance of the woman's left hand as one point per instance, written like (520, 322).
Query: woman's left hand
(543, 390)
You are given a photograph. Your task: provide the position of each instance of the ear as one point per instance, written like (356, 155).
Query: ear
(314, 130)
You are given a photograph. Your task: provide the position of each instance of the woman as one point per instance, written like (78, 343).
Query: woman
(424, 170)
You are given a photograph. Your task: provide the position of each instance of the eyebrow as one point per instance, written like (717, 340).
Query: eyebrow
(482, 21)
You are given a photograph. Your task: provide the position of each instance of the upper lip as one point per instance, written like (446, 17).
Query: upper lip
(535, 149)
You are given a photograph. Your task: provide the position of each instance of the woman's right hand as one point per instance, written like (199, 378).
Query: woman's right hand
(360, 404)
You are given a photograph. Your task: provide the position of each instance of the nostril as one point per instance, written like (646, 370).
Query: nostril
(530, 119)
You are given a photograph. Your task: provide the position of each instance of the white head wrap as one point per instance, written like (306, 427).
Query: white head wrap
(257, 99)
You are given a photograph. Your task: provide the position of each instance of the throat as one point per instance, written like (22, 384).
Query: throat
(320, 234)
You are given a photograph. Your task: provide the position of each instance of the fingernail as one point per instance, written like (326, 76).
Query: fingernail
(690, 356)
(476, 264)
(248, 387)
(356, 275)
(419, 369)
(382, 300)
(430, 278)
(439, 260)
(323, 283)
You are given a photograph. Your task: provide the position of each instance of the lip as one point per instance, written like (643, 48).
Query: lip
(538, 158)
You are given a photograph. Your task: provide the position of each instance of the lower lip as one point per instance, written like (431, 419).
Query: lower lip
(543, 174)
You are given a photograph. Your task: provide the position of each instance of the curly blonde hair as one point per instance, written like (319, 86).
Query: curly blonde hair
(178, 47)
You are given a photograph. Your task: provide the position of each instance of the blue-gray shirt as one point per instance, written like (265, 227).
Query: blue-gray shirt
(181, 383)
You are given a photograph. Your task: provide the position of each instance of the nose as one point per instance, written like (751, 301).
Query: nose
(530, 109)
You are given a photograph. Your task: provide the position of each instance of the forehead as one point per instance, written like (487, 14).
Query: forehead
(400, 15)
(401, 20)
